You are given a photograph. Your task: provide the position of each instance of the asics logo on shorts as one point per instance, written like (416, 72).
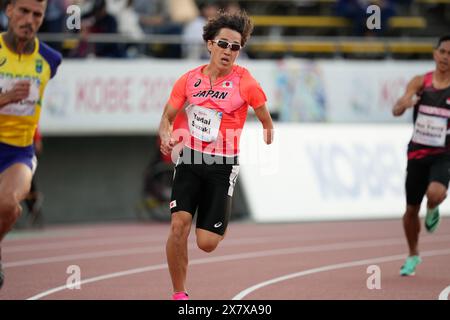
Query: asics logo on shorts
(218, 224)
(173, 204)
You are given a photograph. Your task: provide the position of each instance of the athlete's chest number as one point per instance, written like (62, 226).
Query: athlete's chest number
(204, 123)
(22, 108)
(430, 130)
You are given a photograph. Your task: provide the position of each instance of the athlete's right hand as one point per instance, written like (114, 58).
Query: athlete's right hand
(167, 144)
(19, 92)
(404, 103)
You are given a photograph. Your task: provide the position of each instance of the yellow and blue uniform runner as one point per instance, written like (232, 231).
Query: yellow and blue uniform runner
(18, 121)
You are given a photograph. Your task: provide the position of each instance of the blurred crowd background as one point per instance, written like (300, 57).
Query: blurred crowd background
(304, 28)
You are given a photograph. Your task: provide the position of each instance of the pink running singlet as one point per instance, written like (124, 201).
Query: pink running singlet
(216, 113)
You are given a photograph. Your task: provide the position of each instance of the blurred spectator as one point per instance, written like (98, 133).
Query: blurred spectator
(182, 11)
(152, 14)
(127, 18)
(154, 18)
(3, 17)
(54, 20)
(54, 16)
(193, 43)
(3, 22)
(354, 11)
(98, 21)
(86, 6)
(128, 23)
(232, 7)
(105, 23)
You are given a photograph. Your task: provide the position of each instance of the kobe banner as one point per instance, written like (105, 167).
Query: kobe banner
(123, 96)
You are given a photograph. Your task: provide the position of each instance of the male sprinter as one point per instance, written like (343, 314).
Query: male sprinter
(428, 170)
(26, 65)
(215, 97)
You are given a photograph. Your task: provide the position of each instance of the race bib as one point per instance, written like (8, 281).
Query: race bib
(430, 131)
(25, 107)
(204, 123)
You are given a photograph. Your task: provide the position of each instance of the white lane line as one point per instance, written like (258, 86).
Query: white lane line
(82, 256)
(80, 243)
(134, 251)
(344, 265)
(444, 295)
(99, 278)
(50, 234)
(116, 240)
(229, 243)
(231, 257)
(55, 244)
(15, 238)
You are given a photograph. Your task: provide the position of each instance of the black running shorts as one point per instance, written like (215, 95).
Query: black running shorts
(421, 172)
(204, 184)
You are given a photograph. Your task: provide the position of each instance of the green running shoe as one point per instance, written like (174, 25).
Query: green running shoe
(409, 267)
(432, 219)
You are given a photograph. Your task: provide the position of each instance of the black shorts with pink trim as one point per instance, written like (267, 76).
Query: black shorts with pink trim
(204, 184)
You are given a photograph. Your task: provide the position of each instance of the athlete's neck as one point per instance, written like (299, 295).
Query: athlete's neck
(214, 72)
(441, 79)
(18, 46)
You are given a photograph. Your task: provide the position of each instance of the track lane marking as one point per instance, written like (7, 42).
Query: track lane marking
(231, 257)
(331, 267)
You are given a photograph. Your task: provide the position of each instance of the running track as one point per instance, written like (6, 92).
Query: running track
(326, 260)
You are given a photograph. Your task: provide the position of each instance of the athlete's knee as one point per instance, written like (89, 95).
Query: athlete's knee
(10, 209)
(435, 198)
(179, 228)
(411, 212)
(207, 244)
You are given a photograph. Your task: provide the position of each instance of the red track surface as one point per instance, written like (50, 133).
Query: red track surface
(326, 260)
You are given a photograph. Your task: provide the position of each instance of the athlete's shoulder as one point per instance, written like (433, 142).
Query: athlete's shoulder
(194, 72)
(426, 79)
(246, 77)
(52, 56)
(247, 80)
(241, 71)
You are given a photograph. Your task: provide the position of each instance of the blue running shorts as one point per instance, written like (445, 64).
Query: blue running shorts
(10, 155)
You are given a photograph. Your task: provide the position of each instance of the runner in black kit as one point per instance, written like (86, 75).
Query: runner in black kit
(428, 170)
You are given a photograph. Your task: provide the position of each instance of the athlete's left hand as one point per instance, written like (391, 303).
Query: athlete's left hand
(268, 136)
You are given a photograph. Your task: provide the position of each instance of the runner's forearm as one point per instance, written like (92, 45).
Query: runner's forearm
(165, 127)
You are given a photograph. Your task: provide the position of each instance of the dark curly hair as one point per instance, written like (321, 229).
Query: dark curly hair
(239, 22)
(443, 39)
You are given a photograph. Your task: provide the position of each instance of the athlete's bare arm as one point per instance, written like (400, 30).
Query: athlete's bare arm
(165, 129)
(19, 92)
(407, 100)
(263, 115)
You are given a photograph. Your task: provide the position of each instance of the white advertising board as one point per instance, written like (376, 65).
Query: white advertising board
(326, 172)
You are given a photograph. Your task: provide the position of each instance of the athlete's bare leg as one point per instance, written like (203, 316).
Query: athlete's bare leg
(176, 249)
(15, 184)
(411, 225)
(436, 193)
(207, 240)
